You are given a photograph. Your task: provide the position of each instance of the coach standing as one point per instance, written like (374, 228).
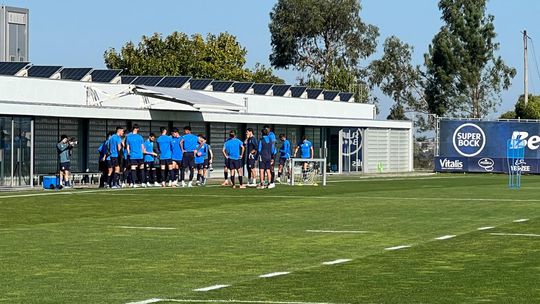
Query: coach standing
(64, 153)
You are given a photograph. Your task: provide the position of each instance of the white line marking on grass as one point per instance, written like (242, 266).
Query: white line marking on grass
(154, 300)
(274, 274)
(242, 301)
(336, 231)
(397, 247)
(213, 287)
(445, 237)
(147, 228)
(517, 234)
(521, 220)
(50, 193)
(486, 228)
(339, 261)
(360, 198)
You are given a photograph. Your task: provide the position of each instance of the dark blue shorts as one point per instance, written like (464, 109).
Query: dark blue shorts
(165, 162)
(65, 166)
(112, 162)
(282, 161)
(251, 163)
(235, 164)
(227, 163)
(136, 162)
(178, 162)
(149, 165)
(188, 161)
(265, 164)
(202, 166)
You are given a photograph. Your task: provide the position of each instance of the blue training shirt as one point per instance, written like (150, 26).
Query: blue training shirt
(266, 148)
(272, 136)
(176, 150)
(305, 149)
(285, 150)
(191, 142)
(203, 151)
(164, 145)
(114, 141)
(149, 147)
(102, 150)
(135, 143)
(233, 147)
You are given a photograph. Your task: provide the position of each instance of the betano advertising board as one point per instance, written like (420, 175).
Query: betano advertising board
(480, 146)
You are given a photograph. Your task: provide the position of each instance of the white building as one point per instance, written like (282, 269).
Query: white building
(39, 103)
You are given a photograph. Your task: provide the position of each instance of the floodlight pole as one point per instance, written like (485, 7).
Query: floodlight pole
(525, 70)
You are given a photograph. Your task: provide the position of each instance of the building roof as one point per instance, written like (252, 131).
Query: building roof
(26, 69)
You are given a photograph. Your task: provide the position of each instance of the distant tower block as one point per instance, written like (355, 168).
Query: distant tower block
(13, 34)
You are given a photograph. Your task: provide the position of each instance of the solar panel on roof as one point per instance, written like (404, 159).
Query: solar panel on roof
(221, 86)
(330, 95)
(173, 81)
(43, 71)
(147, 80)
(261, 88)
(297, 91)
(74, 73)
(313, 93)
(104, 75)
(343, 96)
(11, 68)
(199, 84)
(280, 89)
(242, 87)
(127, 79)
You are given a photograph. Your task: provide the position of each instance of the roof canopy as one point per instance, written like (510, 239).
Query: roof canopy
(195, 99)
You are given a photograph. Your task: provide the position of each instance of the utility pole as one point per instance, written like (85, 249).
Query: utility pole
(526, 69)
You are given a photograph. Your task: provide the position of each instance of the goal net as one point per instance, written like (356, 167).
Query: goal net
(310, 172)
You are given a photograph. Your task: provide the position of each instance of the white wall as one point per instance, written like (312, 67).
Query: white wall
(66, 98)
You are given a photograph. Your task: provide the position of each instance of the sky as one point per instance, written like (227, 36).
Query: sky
(76, 33)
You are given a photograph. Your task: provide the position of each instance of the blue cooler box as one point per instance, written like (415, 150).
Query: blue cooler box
(50, 182)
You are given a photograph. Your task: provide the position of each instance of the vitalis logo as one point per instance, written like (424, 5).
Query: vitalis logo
(486, 163)
(469, 139)
(451, 164)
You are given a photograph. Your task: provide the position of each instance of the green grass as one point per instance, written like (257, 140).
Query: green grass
(68, 247)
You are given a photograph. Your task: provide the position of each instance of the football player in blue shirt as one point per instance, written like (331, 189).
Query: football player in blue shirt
(114, 147)
(126, 168)
(233, 151)
(226, 168)
(136, 151)
(165, 156)
(177, 156)
(252, 146)
(201, 160)
(103, 168)
(266, 153)
(284, 156)
(272, 137)
(149, 160)
(306, 152)
(189, 144)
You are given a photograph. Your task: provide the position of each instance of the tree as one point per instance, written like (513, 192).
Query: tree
(464, 76)
(397, 112)
(395, 75)
(262, 74)
(508, 115)
(461, 75)
(531, 111)
(324, 38)
(216, 56)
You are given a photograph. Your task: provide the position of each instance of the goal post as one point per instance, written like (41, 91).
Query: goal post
(307, 171)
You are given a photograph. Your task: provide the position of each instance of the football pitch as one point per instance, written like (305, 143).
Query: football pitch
(432, 239)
